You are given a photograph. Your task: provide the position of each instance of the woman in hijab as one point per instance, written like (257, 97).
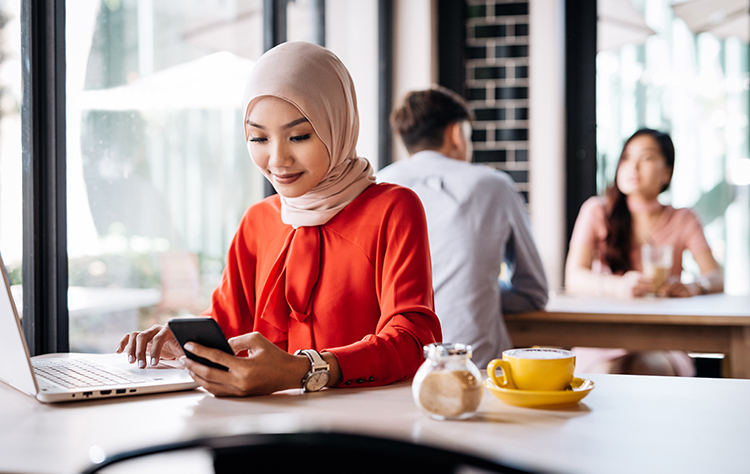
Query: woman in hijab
(328, 282)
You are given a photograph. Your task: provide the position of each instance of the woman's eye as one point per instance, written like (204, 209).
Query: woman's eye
(258, 140)
(300, 138)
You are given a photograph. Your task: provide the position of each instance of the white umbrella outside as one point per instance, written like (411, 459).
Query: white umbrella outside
(724, 18)
(215, 81)
(619, 23)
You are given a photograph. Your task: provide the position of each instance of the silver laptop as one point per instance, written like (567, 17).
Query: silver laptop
(75, 377)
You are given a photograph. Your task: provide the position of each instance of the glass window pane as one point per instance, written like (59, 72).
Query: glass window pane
(11, 221)
(350, 30)
(158, 172)
(352, 34)
(306, 21)
(656, 72)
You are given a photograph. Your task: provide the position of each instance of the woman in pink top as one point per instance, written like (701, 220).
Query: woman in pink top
(605, 249)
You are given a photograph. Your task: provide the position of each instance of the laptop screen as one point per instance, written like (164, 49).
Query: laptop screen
(15, 365)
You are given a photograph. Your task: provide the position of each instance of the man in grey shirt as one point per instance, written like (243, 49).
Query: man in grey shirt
(477, 221)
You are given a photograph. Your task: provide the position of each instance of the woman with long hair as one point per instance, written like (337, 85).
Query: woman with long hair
(604, 257)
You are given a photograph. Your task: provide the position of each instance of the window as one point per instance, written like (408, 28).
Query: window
(158, 174)
(11, 219)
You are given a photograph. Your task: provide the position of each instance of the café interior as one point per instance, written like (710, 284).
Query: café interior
(124, 174)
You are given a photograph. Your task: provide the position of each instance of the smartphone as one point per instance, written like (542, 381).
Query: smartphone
(204, 331)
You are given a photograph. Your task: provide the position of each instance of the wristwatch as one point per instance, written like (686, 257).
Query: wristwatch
(318, 375)
(704, 285)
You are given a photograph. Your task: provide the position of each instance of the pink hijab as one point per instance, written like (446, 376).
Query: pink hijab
(316, 82)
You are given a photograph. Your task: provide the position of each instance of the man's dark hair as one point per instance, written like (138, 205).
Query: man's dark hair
(423, 116)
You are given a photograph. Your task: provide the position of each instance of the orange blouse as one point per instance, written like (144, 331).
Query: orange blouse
(359, 286)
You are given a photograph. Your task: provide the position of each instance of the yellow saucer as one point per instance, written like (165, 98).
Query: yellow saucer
(579, 388)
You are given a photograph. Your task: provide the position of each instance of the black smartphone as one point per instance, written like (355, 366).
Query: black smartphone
(204, 331)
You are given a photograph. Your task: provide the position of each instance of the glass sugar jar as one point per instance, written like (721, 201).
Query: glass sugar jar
(448, 385)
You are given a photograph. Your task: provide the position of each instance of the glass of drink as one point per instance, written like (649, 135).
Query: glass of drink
(657, 263)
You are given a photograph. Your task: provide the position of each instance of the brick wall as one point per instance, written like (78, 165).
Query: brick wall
(497, 84)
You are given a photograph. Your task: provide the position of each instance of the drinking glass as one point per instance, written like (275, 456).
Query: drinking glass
(657, 263)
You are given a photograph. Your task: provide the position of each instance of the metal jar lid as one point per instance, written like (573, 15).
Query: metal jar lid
(439, 350)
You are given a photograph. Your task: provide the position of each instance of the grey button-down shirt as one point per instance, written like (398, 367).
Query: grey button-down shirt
(477, 221)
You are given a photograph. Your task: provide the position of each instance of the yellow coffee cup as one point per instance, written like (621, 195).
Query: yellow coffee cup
(536, 369)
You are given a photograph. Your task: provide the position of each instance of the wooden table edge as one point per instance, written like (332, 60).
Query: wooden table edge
(645, 318)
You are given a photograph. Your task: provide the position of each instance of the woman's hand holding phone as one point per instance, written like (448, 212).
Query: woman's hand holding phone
(203, 331)
(265, 370)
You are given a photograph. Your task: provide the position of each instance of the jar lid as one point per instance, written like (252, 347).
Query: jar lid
(439, 350)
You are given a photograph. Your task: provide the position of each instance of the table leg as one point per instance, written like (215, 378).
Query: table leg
(738, 365)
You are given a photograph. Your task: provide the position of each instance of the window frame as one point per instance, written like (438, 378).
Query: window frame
(45, 257)
(385, 81)
(580, 107)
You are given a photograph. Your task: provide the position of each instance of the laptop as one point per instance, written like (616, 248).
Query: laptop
(75, 377)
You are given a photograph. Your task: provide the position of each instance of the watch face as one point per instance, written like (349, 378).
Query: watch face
(317, 380)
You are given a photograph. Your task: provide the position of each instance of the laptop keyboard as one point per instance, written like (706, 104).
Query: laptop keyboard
(73, 373)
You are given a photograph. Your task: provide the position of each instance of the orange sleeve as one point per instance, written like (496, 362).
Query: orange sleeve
(403, 282)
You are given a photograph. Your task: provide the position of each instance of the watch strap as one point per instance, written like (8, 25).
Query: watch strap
(316, 360)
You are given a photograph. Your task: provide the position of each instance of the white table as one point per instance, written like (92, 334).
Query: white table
(627, 424)
(710, 323)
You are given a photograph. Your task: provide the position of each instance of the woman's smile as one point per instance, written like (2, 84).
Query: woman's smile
(285, 178)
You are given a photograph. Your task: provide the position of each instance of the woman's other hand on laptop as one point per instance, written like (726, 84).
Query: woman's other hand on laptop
(157, 341)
